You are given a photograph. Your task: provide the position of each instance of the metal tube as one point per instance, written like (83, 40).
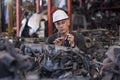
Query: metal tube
(17, 17)
(49, 18)
(69, 10)
(37, 5)
(10, 16)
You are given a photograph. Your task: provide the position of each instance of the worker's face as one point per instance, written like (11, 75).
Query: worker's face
(63, 26)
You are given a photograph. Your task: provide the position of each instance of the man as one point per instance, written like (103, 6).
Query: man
(64, 37)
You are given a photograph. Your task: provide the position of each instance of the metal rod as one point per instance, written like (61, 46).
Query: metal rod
(37, 5)
(69, 10)
(49, 17)
(10, 16)
(17, 17)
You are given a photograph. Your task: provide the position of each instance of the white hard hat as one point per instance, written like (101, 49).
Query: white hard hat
(59, 15)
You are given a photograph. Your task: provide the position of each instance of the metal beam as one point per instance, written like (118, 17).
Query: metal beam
(37, 5)
(49, 17)
(10, 16)
(17, 17)
(69, 10)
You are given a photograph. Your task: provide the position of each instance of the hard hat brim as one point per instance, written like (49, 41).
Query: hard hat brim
(60, 20)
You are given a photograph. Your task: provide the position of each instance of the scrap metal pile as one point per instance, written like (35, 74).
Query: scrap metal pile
(96, 14)
(25, 59)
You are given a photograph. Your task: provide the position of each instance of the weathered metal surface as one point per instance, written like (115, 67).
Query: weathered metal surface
(10, 16)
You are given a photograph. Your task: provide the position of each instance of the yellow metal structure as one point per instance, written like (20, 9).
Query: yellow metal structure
(10, 17)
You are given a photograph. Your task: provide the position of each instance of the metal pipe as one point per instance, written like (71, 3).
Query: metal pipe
(10, 16)
(17, 17)
(69, 10)
(49, 17)
(37, 6)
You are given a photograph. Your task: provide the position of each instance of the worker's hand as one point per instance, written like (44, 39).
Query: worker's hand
(70, 38)
(58, 41)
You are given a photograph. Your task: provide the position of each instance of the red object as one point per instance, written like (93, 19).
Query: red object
(53, 9)
(49, 17)
(37, 5)
(17, 17)
(69, 10)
